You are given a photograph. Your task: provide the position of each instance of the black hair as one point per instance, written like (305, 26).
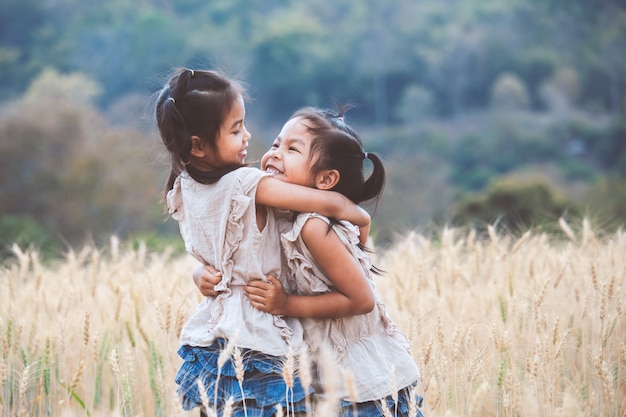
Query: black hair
(337, 146)
(194, 103)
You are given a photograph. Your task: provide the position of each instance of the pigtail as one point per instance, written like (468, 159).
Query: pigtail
(374, 185)
(173, 133)
(194, 103)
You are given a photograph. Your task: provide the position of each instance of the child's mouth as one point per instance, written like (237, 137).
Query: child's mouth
(272, 170)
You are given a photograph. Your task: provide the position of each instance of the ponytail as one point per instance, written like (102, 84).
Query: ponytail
(374, 185)
(173, 134)
(339, 147)
(194, 103)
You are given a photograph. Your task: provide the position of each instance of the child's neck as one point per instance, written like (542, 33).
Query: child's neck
(210, 177)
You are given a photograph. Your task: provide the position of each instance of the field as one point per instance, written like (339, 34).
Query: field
(500, 325)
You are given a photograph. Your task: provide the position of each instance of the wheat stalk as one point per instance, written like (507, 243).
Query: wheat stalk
(203, 395)
(306, 377)
(76, 377)
(239, 373)
(224, 355)
(86, 329)
(567, 229)
(476, 402)
(539, 318)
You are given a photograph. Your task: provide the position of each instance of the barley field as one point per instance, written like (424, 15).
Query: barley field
(500, 325)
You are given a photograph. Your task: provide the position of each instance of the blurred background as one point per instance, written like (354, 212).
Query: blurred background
(506, 112)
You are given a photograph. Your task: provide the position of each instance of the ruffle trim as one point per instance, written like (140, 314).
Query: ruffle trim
(306, 270)
(352, 234)
(298, 262)
(263, 383)
(175, 208)
(240, 203)
(174, 199)
(342, 346)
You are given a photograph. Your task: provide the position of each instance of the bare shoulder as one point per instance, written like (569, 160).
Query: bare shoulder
(316, 229)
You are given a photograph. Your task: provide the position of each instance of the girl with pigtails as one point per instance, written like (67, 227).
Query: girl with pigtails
(227, 214)
(330, 273)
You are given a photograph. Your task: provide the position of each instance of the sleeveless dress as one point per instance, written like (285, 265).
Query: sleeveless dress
(218, 225)
(370, 346)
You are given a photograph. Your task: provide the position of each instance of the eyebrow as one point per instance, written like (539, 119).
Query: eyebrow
(292, 140)
(237, 122)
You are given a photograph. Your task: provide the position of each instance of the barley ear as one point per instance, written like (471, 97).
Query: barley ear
(567, 230)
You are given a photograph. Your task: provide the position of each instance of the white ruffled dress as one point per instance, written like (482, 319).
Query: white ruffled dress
(375, 351)
(218, 224)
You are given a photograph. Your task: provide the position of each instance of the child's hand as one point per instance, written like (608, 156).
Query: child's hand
(267, 296)
(206, 278)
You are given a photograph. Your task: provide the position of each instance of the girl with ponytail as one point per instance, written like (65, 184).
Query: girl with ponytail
(228, 217)
(330, 286)
(330, 270)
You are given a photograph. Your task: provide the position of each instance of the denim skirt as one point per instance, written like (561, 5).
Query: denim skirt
(262, 390)
(401, 408)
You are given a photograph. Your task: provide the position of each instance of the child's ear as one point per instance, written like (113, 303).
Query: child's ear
(197, 149)
(327, 179)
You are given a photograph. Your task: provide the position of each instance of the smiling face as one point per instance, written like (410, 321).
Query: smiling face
(230, 144)
(289, 158)
(233, 138)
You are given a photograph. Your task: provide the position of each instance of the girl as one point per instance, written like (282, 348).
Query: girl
(329, 269)
(317, 149)
(223, 210)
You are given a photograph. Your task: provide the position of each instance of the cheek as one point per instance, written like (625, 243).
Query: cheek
(264, 159)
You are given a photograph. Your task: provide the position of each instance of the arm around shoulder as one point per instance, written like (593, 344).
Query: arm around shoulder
(282, 195)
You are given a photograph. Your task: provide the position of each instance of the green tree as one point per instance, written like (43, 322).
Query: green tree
(513, 205)
(24, 31)
(607, 201)
(64, 168)
(509, 93)
(25, 232)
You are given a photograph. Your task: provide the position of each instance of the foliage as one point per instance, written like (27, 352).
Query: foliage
(63, 166)
(509, 93)
(25, 231)
(478, 89)
(607, 145)
(513, 205)
(606, 201)
(301, 53)
(157, 242)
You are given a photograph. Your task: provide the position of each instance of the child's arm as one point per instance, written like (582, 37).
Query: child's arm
(353, 293)
(282, 195)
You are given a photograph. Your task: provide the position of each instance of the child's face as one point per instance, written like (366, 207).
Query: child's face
(289, 157)
(232, 139)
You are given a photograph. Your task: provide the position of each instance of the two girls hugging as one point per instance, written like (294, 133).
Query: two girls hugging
(294, 286)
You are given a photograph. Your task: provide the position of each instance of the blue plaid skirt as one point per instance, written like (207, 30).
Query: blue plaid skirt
(262, 390)
(374, 408)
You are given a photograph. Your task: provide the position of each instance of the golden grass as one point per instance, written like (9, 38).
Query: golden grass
(500, 326)
(506, 327)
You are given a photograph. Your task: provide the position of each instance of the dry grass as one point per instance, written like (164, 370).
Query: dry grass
(499, 326)
(505, 327)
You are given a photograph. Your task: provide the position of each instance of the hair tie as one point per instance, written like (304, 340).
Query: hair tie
(191, 73)
(365, 155)
(172, 99)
